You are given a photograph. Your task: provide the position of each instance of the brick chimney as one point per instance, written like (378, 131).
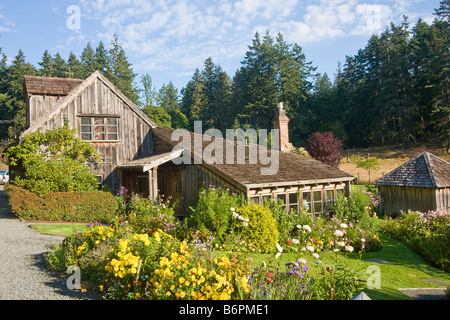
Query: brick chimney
(280, 122)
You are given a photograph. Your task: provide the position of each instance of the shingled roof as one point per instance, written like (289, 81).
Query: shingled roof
(50, 85)
(293, 167)
(425, 170)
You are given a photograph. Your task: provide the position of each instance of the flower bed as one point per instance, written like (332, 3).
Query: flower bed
(427, 233)
(148, 254)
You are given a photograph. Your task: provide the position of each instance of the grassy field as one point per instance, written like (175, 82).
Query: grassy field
(389, 160)
(399, 267)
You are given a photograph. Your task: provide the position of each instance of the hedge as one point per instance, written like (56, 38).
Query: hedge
(93, 206)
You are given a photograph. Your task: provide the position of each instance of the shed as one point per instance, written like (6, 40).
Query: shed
(421, 184)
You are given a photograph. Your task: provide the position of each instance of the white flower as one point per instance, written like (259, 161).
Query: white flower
(264, 264)
(349, 248)
(232, 209)
(299, 226)
(279, 248)
(277, 255)
(338, 233)
(343, 225)
(301, 260)
(245, 224)
(315, 255)
(336, 250)
(307, 228)
(309, 248)
(340, 243)
(295, 241)
(363, 240)
(235, 215)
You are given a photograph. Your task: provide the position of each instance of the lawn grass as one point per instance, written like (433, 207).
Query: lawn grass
(64, 230)
(399, 266)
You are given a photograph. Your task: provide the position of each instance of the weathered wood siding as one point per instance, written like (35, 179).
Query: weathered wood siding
(443, 198)
(38, 105)
(194, 177)
(97, 99)
(399, 198)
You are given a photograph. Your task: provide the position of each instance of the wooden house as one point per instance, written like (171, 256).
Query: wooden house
(144, 158)
(421, 184)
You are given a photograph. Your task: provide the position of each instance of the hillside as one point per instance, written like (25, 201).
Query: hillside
(389, 160)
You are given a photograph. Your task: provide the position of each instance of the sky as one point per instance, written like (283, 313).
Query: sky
(169, 39)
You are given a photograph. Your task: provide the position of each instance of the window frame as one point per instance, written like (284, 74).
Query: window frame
(106, 129)
(296, 204)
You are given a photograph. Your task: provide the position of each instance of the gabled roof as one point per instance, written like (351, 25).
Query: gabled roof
(294, 169)
(76, 91)
(425, 170)
(50, 85)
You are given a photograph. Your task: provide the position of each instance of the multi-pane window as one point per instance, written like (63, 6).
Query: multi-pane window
(330, 198)
(293, 202)
(266, 198)
(306, 204)
(317, 195)
(282, 197)
(254, 199)
(99, 129)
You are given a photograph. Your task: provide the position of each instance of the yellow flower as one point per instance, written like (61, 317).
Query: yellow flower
(181, 280)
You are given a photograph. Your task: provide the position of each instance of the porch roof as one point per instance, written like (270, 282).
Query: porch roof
(152, 161)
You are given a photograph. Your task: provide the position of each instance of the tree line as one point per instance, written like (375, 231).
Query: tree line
(112, 62)
(393, 92)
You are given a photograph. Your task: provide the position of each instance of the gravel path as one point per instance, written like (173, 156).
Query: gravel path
(23, 275)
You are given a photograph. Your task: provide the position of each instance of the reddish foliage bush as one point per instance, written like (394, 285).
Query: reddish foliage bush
(93, 206)
(324, 147)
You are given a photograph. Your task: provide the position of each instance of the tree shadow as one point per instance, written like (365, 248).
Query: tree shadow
(58, 282)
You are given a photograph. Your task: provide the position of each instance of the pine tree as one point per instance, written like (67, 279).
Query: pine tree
(122, 74)
(101, 60)
(46, 65)
(74, 68)
(59, 67)
(87, 60)
(193, 100)
(13, 103)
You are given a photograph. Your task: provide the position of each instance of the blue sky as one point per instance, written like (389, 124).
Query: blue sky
(169, 39)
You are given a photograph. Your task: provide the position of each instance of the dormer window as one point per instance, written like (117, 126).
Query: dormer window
(99, 128)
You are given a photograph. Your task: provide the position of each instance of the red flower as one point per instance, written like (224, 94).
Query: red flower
(289, 242)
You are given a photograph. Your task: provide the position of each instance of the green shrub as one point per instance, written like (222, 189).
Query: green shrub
(212, 214)
(360, 205)
(144, 215)
(64, 175)
(427, 234)
(256, 225)
(93, 206)
(53, 161)
(286, 221)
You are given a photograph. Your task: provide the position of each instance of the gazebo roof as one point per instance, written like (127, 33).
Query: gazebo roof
(425, 170)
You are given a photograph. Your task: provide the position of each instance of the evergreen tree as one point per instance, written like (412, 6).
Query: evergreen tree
(46, 64)
(59, 67)
(193, 100)
(87, 60)
(13, 105)
(101, 60)
(74, 68)
(122, 74)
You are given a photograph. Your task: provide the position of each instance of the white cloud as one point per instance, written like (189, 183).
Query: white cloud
(179, 35)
